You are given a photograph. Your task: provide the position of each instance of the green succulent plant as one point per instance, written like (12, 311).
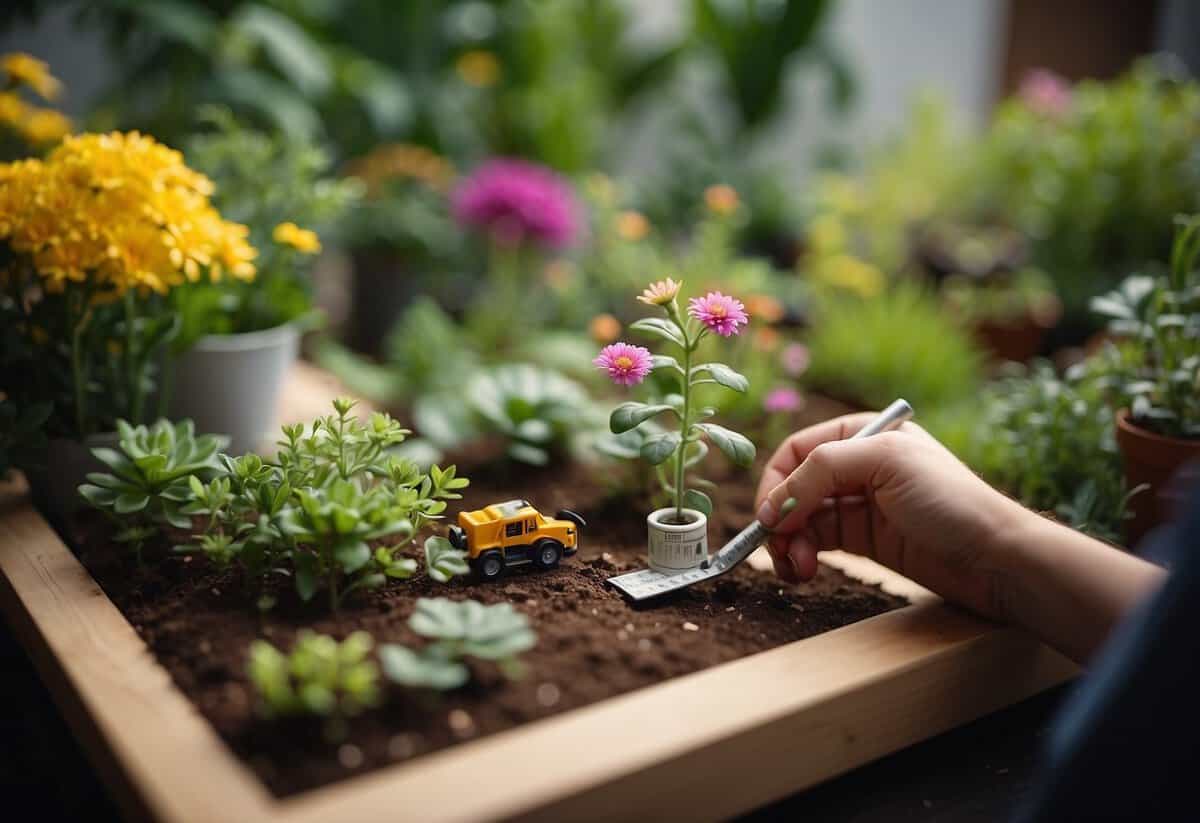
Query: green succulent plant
(537, 412)
(320, 676)
(149, 482)
(459, 630)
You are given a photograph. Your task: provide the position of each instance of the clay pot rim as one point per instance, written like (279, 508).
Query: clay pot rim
(1126, 424)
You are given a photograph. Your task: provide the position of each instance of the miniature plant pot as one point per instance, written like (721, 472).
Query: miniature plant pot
(54, 487)
(677, 547)
(1151, 459)
(230, 384)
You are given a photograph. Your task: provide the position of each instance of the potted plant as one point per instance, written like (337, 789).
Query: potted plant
(93, 242)
(678, 534)
(238, 338)
(402, 240)
(1155, 372)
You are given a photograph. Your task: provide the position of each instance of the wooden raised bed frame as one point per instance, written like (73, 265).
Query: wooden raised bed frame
(769, 724)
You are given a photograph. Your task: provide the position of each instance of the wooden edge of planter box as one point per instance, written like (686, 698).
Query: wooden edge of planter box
(772, 723)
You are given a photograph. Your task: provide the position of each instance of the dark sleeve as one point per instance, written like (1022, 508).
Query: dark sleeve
(1127, 744)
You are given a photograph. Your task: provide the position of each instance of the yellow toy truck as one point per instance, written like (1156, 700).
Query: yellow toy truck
(514, 533)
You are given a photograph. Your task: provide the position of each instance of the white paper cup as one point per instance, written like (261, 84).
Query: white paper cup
(676, 547)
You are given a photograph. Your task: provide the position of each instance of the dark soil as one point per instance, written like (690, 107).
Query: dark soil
(592, 644)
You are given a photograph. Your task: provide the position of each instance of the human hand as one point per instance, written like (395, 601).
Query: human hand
(899, 497)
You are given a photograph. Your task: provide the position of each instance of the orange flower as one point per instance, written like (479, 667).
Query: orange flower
(766, 339)
(632, 225)
(764, 306)
(721, 199)
(604, 328)
(478, 68)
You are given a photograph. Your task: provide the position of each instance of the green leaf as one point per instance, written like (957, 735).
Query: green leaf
(660, 447)
(443, 561)
(426, 670)
(297, 56)
(698, 500)
(734, 446)
(353, 555)
(658, 327)
(631, 415)
(130, 502)
(99, 497)
(306, 577)
(665, 361)
(725, 376)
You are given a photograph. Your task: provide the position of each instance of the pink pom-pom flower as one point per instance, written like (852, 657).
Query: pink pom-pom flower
(627, 365)
(782, 399)
(516, 202)
(719, 313)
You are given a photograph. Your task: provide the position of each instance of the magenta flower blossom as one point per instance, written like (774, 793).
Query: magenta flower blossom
(1046, 93)
(720, 313)
(782, 399)
(627, 365)
(794, 358)
(516, 202)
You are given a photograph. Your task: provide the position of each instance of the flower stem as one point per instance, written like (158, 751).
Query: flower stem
(78, 373)
(687, 404)
(131, 364)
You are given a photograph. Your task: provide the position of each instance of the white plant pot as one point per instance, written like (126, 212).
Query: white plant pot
(230, 384)
(55, 486)
(677, 547)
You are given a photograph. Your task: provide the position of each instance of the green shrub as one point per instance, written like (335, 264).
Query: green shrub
(897, 344)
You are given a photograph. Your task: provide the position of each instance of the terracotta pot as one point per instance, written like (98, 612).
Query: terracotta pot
(1018, 339)
(1151, 459)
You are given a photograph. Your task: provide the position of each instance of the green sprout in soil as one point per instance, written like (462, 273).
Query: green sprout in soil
(459, 630)
(320, 676)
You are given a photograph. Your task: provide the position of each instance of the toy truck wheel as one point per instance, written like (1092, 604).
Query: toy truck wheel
(489, 565)
(547, 553)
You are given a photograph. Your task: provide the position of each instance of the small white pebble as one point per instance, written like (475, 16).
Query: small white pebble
(644, 644)
(205, 647)
(216, 592)
(739, 618)
(690, 627)
(629, 628)
(781, 592)
(595, 612)
(350, 756)
(607, 557)
(622, 635)
(401, 746)
(730, 608)
(531, 602)
(461, 723)
(548, 694)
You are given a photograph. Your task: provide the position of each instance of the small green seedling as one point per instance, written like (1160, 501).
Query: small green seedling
(319, 677)
(459, 630)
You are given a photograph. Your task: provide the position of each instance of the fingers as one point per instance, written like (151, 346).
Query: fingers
(831, 469)
(792, 451)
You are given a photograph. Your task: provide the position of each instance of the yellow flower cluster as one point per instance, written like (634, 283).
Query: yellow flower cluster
(118, 211)
(393, 161)
(478, 68)
(302, 240)
(36, 125)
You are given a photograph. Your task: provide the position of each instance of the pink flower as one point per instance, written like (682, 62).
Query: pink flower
(517, 201)
(627, 365)
(794, 359)
(719, 313)
(782, 399)
(1045, 92)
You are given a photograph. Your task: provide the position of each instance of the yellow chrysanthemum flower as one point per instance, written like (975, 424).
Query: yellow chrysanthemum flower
(660, 293)
(122, 210)
(45, 126)
(478, 68)
(26, 70)
(12, 109)
(302, 240)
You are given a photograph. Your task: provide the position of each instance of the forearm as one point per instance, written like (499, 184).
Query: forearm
(1069, 589)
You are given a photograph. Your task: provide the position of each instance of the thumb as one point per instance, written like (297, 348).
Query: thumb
(837, 467)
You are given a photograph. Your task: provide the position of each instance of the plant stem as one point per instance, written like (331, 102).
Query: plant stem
(685, 421)
(78, 374)
(131, 368)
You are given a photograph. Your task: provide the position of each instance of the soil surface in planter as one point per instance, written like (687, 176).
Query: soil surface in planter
(592, 644)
